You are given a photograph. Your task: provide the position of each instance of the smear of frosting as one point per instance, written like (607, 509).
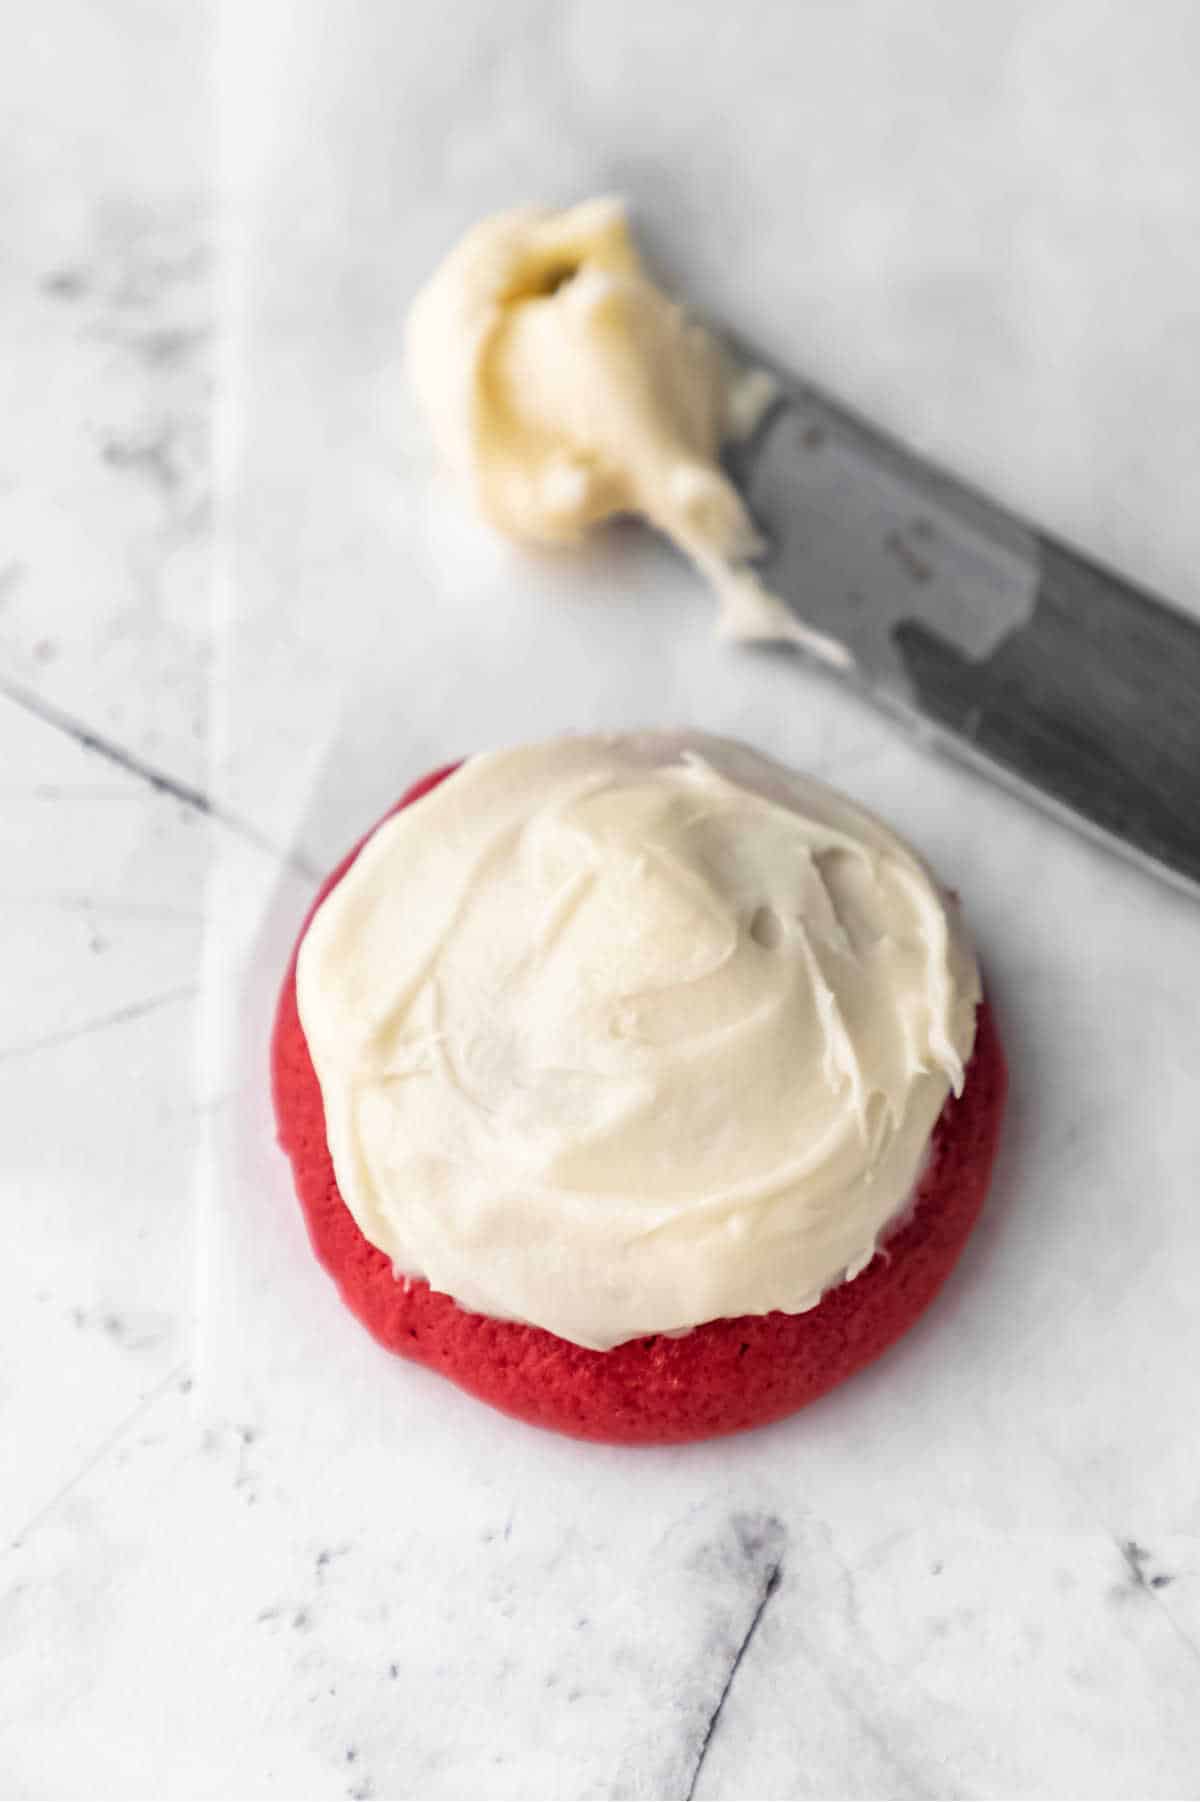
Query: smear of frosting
(564, 387)
(620, 1035)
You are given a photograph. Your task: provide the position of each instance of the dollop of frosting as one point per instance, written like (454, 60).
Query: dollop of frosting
(620, 1035)
(564, 387)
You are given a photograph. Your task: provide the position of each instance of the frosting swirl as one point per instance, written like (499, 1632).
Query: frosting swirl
(619, 1035)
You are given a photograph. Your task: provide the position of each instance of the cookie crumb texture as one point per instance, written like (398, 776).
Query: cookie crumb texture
(723, 1377)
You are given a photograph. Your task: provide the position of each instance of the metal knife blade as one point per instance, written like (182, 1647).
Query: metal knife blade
(1000, 644)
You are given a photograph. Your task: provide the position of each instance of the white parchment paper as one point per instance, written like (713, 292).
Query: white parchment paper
(934, 230)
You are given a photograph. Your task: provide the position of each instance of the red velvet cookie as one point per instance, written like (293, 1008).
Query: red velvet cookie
(720, 1378)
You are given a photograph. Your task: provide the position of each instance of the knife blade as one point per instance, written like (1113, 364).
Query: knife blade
(992, 640)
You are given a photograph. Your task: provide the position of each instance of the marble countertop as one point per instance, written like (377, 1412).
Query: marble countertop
(242, 1551)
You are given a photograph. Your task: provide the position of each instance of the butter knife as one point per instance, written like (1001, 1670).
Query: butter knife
(994, 641)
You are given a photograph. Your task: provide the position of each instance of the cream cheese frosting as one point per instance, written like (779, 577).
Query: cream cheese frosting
(618, 1035)
(564, 387)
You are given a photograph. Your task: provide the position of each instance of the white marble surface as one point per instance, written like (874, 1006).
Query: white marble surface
(244, 1553)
